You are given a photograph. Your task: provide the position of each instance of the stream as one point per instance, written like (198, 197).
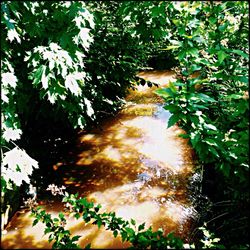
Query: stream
(133, 165)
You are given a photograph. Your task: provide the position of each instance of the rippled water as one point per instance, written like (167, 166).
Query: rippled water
(134, 165)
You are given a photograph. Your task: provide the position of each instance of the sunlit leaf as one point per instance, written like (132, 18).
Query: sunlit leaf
(210, 126)
(9, 79)
(130, 231)
(18, 157)
(12, 134)
(221, 56)
(193, 51)
(171, 47)
(12, 34)
(165, 93)
(210, 142)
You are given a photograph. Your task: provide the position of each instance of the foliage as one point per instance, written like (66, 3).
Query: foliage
(211, 105)
(39, 61)
(60, 64)
(113, 59)
(147, 21)
(138, 236)
(72, 62)
(210, 97)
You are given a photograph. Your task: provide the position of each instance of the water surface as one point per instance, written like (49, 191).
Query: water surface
(133, 165)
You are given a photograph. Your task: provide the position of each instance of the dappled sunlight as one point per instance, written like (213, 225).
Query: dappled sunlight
(140, 109)
(169, 154)
(142, 94)
(105, 239)
(21, 234)
(134, 166)
(161, 77)
(112, 153)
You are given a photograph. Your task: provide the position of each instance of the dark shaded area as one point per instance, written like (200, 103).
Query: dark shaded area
(47, 138)
(161, 60)
(226, 215)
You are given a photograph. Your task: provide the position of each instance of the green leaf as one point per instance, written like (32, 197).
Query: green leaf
(115, 233)
(223, 27)
(234, 96)
(60, 236)
(124, 235)
(195, 138)
(77, 215)
(221, 56)
(165, 93)
(206, 98)
(35, 222)
(213, 151)
(212, 20)
(76, 238)
(141, 227)
(171, 47)
(172, 108)
(99, 223)
(88, 246)
(225, 167)
(143, 240)
(83, 201)
(51, 237)
(184, 136)
(97, 209)
(210, 126)
(211, 142)
(176, 21)
(133, 222)
(38, 74)
(240, 52)
(221, 76)
(65, 40)
(205, 62)
(181, 55)
(61, 215)
(195, 67)
(130, 231)
(244, 79)
(181, 30)
(47, 230)
(3, 184)
(87, 219)
(193, 52)
(173, 119)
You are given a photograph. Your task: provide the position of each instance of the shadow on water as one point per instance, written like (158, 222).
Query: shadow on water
(133, 166)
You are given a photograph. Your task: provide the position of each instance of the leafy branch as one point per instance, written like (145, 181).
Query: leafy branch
(129, 231)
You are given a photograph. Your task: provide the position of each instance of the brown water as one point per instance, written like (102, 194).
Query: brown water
(133, 165)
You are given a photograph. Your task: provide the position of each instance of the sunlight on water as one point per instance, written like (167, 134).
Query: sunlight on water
(134, 166)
